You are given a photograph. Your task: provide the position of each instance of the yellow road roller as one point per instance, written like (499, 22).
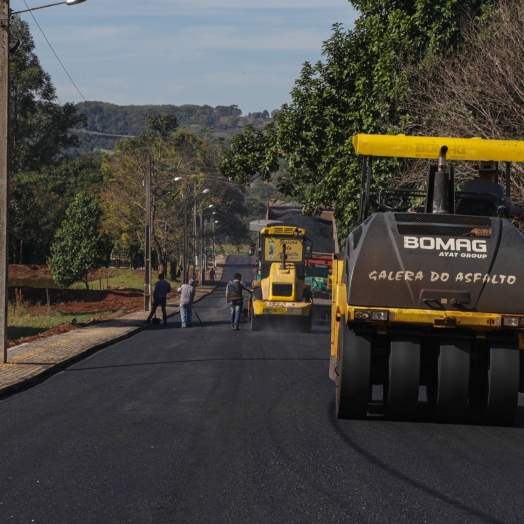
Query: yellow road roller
(281, 298)
(429, 290)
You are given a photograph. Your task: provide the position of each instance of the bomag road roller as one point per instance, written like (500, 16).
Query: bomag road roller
(281, 298)
(429, 292)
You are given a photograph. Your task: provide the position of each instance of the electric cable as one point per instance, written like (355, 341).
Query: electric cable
(60, 62)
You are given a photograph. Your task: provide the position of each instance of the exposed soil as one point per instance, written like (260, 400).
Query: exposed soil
(76, 302)
(36, 271)
(33, 270)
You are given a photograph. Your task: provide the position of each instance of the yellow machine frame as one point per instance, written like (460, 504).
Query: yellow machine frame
(403, 146)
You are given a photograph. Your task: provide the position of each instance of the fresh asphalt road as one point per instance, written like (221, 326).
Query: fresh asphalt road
(213, 425)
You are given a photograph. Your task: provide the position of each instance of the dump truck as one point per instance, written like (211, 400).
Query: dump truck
(281, 299)
(430, 293)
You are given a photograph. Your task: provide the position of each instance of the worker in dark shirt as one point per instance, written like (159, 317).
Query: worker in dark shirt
(235, 299)
(485, 184)
(162, 288)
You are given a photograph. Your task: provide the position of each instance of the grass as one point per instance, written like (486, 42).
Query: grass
(228, 249)
(120, 278)
(116, 278)
(22, 324)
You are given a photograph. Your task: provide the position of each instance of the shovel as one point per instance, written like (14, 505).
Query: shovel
(194, 311)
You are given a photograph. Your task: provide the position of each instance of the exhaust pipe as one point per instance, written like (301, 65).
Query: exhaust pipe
(442, 163)
(283, 257)
(443, 194)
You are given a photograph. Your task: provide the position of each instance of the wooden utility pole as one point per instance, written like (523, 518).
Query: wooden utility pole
(147, 251)
(195, 252)
(185, 262)
(4, 173)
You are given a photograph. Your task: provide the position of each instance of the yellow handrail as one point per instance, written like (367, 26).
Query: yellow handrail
(429, 147)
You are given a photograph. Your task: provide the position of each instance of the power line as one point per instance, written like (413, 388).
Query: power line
(63, 67)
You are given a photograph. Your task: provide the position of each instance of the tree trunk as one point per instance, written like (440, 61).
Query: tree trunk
(173, 269)
(161, 259)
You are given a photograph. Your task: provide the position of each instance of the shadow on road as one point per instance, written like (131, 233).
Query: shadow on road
(412, 483)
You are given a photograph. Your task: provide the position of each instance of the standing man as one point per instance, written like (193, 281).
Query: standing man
(235, 299)
(187, 294)
(212, 274)
(162, 288)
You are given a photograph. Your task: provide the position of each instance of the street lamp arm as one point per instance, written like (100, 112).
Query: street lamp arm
(68, 2)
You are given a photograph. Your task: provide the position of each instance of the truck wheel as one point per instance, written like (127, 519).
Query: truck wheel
(503, 384)
(254, 322)
(353, 382)
(452, 381)
(401, 390)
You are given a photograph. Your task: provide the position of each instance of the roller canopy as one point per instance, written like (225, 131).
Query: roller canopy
(429, 147)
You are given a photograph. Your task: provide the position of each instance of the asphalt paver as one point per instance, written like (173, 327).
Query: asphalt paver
(208, 424)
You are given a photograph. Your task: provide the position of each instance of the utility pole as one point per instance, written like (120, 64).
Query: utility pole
(4, 173)
(202, 248)
(214, 254)
(185, 276)
(147, 253)
(195, 254)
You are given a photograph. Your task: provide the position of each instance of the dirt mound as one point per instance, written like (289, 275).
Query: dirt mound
(80, 300)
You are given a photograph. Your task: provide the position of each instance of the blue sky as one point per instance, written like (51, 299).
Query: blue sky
(215, 52)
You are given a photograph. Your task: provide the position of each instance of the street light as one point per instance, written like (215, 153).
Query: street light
(185, 198)
(195, 256)
(203, 260)
(68, 2)
(5, 15)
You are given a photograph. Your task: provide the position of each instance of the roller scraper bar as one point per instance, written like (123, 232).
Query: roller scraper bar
(429, 147)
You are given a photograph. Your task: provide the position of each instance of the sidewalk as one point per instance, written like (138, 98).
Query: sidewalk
(33, 361)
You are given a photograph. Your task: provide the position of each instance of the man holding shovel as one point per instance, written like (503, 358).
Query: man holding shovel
(187, 295)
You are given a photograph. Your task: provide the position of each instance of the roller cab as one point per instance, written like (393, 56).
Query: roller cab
(427, 296)
(281, 298)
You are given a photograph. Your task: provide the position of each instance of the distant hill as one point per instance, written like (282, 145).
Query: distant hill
(108, 123)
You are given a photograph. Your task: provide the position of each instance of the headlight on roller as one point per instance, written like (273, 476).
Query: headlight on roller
(513, 322)
(382, 316)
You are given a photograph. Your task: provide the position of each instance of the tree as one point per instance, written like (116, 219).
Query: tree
(476, 90)
(79, 244)
(38, 202)
(360, 87)
(43, 180)
(178, 154)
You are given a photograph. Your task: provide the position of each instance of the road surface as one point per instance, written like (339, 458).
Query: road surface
(211, 425)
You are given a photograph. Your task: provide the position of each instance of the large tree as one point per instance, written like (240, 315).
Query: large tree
(41, 132)
(79, 244)
(172, 154)
(360, 87)
(39, 199)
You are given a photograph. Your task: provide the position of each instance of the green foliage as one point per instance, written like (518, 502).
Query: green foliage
(218, 122)
(79, 245)
(182, 154)
(43, 180)
(162, 125)
(253, 154)
(34, 323)
(360, 87)
(38, 202)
